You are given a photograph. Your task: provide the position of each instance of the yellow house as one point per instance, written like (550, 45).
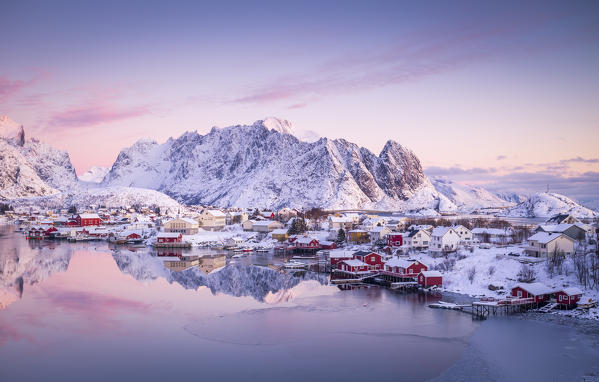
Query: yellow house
(186, 226)
(280, 234)
(210, 263)
(212, 219)
(357, 236)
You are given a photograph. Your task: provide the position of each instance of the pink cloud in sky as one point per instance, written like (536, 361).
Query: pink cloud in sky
(9, 88)
(95, 113)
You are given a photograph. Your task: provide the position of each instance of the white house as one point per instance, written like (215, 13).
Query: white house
(547, 244)
(266, 226)
(417, 238)
(464, 233)
(378, 233)
(340, 222)
(444, 239)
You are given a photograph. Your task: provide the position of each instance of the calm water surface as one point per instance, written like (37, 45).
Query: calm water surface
(89, 312)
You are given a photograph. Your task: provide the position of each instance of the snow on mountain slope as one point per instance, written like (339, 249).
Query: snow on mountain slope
(31, 168)
(110, 197)
(262, 165)
(512, 197)
(548, 204)
(468, 198)
(94, 175)
(17, 177)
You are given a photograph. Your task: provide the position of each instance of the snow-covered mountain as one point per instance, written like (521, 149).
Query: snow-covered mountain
(468, 198)
(262, 165)
(512, 197)
(548, 204)
(30, 167)
(94, 175)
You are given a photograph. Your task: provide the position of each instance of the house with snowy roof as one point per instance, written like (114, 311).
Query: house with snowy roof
(186, 226)
(576, 231)
(464, 233)
(537, 291)
(548, 244)
(417, 238)
(212, 220)
(266, 226)
(444, 239)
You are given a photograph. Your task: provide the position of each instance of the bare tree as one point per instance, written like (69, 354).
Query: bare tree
(526, 274)
(471, 274)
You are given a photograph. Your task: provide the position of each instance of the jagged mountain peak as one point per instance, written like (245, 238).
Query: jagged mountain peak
(263, 165)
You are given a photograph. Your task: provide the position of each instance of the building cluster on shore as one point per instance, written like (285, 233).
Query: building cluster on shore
(355, 246)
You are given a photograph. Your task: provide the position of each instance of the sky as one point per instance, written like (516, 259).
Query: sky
(502, 94)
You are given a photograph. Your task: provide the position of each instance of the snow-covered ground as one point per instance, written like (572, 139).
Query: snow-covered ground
(495, 267)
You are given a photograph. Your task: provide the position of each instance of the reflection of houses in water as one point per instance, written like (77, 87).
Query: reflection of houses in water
(182, 263)
(212, 262)
(169, 252)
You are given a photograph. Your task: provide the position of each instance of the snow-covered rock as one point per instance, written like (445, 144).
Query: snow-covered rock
(30, 167)
(263, 165)
(548, 204)
(94, 175)
(468, 198)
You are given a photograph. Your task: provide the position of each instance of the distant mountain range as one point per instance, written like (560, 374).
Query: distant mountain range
(258, 165)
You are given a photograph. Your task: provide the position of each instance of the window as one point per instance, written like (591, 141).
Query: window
(560, 297)
(519, 293)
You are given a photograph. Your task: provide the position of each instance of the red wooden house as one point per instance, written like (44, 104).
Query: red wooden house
(373, 259)
(169, 237)
(353, 266)
(394, 240)
(83, 220)
(328, 244)
(430, 278)
(304, 242)
(49, 230)
(539, 292)
(568, 296)
(337, 256)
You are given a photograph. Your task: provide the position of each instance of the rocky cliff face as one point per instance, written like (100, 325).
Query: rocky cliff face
(260, 165)
(30, 167)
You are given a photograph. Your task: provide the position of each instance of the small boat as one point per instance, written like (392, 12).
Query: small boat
(238, 256)
(446, 305)
(247, 249)
(262, 250)
(237, 250)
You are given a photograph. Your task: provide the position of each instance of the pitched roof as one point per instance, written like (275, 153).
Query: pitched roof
(536, 289)
(546, 237)
(168, 234)
(441, 231)
(431, 273)
(572, 291)
(354, 263)
(397, 262)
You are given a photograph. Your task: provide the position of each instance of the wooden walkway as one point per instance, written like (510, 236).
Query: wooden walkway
(484, 308)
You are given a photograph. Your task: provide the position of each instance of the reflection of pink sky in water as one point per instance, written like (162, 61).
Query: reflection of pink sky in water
(93, 297)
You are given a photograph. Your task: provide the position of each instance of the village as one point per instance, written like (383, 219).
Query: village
(506, 267)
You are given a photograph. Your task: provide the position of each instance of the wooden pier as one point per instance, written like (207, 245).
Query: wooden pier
(486, 307)
(404, 285)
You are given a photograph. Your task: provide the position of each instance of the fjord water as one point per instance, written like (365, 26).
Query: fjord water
(86, 312)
